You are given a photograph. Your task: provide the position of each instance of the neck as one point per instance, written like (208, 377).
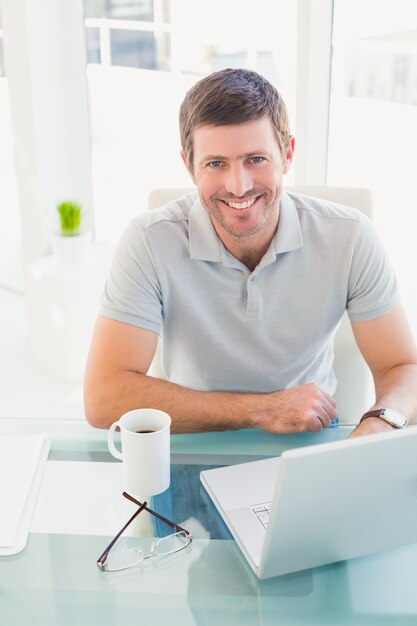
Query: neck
(251, 257)
(248, 250)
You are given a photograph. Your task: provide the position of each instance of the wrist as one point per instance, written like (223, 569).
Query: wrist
(235, 410)
(254, 412)
(389, 416)
(376, 424)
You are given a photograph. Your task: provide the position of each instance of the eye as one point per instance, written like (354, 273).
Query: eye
(257, 159)
(214, 164)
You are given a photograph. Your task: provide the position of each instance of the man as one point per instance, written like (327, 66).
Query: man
(247, 285)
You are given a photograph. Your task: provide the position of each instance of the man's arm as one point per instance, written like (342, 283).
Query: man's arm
(116, 381)
(388, 347)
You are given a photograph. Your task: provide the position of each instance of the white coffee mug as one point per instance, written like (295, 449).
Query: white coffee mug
(145, 437)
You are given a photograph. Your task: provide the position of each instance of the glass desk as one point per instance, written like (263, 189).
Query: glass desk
(55, 579)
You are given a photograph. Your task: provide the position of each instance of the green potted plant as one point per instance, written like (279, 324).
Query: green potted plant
(70, 216)
(70, 245)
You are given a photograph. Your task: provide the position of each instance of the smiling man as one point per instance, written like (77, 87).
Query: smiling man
(238, 170)
(247, 284)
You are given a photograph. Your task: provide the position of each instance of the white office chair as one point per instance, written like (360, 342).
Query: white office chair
(355, 387)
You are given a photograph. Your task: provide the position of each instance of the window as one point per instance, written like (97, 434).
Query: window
(142, 57)
(373, 120)
(129, 34)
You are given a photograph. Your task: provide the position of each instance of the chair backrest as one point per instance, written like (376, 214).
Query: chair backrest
(354, 392)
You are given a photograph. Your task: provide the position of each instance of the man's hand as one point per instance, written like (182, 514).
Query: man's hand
(371, 426)
(306, 407)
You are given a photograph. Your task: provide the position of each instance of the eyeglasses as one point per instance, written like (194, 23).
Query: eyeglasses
(129, 557)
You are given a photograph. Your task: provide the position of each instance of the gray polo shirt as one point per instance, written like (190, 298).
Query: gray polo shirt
(227, 328)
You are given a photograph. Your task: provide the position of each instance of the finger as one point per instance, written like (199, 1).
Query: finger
(321, 393)
(329, 413)
(323, 401)
(329, 399)
(323, 412)
(315, 424)
(325, 419)
(328, 409)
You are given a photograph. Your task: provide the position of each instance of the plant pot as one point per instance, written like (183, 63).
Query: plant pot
(71, 251)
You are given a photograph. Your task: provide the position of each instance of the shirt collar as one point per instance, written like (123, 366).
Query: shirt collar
(205, 244)
(288, 236)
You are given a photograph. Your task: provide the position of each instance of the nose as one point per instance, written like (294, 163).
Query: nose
(238, 180)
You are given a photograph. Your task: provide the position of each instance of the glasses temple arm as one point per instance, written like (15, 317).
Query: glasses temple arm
(102, 558)
(163, 519)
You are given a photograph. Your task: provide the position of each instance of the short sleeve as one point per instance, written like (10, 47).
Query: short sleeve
(372, 285)
(132, 293)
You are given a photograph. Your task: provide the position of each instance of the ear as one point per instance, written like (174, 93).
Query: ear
(289, 155)
(187, 165)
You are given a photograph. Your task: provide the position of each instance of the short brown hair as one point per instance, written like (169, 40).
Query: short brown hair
(232, 96)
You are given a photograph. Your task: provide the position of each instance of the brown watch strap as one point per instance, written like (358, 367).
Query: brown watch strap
(391, 417)
(373, 413)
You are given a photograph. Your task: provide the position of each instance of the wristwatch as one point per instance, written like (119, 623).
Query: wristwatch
(394, 418)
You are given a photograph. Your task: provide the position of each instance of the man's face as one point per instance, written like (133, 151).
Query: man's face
(238, 171)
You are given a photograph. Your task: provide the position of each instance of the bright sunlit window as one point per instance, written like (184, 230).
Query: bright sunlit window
(142, 57)
(373, 121)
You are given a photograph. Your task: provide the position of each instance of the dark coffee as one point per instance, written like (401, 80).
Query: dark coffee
(143, 432)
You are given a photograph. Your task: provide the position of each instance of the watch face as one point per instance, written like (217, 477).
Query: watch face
(394, 417)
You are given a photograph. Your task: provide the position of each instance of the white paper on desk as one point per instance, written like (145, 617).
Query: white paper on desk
(22, 460)
(82, 497)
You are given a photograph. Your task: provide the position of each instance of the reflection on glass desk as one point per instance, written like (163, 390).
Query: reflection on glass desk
(55, 579)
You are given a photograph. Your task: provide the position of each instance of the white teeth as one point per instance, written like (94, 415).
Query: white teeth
(241, 205)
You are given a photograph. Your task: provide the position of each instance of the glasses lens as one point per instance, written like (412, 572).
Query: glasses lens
(171, 543)
(123, 559)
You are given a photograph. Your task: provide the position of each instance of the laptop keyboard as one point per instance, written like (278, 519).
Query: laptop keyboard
(262, 512)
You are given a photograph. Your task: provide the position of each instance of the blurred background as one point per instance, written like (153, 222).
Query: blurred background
(89, 98)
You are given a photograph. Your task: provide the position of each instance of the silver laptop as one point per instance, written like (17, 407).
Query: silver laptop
(322, 503)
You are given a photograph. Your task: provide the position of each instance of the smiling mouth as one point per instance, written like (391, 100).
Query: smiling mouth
(241, 205)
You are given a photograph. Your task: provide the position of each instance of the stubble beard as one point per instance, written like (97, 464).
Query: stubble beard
(239, 233)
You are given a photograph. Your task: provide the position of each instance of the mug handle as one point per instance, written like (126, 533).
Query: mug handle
(110, 442)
